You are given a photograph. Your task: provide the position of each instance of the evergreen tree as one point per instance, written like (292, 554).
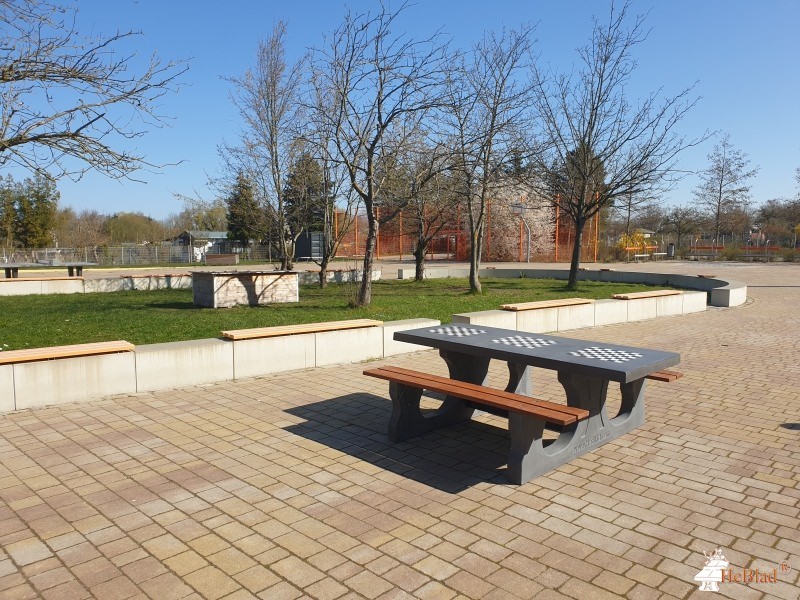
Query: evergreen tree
(246, 219)
(36, 207)
(8, 211)
(304, 196)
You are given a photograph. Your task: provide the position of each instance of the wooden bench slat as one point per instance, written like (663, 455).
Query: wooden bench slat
(264, 332)
(546, 304)
(667, 376)
(52, 352)
(651, 294)
(58, 278)
(557, 414)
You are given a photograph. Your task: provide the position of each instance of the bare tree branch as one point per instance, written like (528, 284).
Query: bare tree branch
(381, 85)
(68, 102)
(599, 146)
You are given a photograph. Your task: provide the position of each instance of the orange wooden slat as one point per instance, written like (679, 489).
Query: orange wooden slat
(52, 352)
(263, 332)
(667, 376)
(550, 411)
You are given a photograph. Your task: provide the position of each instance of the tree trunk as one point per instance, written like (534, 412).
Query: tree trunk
(323, 273)
(419, 254)
(475, 261)
(364, 297)
(572, 283)
(419, 261)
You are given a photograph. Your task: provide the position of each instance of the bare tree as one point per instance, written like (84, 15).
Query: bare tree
(199, 214)
(487, 113)
(381, 84)
(69, 102)
(599, 146)
(268, 99)
(341, 202)
(682, 221)
(421, 186)
(724, 187)
(82, 230)
(628, 208)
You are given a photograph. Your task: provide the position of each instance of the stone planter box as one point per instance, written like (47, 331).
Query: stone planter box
(223, 289)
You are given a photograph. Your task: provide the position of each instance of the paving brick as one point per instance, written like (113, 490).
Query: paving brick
(211, 582)
(286, 487)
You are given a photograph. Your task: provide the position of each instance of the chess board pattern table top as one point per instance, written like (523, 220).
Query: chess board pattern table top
(609, 361)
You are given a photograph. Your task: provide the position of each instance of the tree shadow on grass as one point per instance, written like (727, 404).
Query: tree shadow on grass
(450, 459)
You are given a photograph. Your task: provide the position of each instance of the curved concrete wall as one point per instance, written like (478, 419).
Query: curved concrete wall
(720, 292)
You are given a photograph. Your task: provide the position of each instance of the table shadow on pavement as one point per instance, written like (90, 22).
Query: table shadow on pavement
(450, 459)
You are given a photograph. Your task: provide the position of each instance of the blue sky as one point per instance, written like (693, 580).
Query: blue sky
(742, 54)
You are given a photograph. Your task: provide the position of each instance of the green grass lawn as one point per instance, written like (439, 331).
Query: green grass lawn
(148, 317)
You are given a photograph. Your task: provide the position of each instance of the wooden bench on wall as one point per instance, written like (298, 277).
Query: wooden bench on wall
(546, 304)
(71, 351)
(278, 330)
(650, 294)
(54, 278)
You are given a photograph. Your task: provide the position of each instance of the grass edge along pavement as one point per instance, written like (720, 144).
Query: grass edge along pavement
(156, 316)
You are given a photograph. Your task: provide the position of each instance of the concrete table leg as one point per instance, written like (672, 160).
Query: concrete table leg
(530, 457)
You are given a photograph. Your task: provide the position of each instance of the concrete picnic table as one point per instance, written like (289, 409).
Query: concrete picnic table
(584, 368)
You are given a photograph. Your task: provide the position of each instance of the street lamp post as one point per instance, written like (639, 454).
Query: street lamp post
(519, 209)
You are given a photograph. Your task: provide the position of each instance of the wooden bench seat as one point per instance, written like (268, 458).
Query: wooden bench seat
(546, 304)
(264, 332)
(550, 412)
(53, 352)
(650, 294)
(529, 454)
(150, 275)
(665, 376)
(56, 278)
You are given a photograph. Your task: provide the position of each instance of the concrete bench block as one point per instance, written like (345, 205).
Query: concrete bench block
(104, 285)
(694, 301)
(669, 305)
(178, 364)
(642, 308)
(609, 312)
(7, 388)
(47, 382)
(348, 346)
(733, 294)
(505, 319)
(541, 320)
(9, 287)
(181, 282)
(63, 286)
(262, 356)
(391, 347)
(575, 317)
(412, 273)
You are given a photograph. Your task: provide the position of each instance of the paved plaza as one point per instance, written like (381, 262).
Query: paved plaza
(286, 486)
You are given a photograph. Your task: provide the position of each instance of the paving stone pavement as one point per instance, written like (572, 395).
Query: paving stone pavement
(286, 487)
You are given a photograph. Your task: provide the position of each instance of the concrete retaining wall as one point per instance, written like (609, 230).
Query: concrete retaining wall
(599, 312)
(76, 379)
(77, 285)
(179, 364)
(720, 292)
